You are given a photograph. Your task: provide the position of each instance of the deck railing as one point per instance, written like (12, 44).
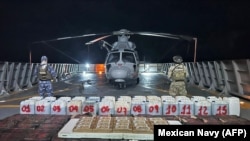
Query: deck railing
(229, 77)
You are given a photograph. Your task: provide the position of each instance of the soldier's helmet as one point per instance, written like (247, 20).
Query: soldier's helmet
(44, 58)
(177, 59)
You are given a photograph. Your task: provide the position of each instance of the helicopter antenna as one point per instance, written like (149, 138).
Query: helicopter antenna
(195, 49)
(30, 56)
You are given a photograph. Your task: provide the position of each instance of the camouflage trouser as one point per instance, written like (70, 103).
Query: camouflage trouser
(177, 88)
(45, 87)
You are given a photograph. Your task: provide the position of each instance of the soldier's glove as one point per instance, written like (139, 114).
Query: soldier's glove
(54, 80)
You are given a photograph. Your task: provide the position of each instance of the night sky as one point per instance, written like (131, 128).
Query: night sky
(221, 26)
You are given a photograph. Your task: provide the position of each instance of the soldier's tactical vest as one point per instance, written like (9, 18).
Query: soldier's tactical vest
(179, 73)
(43, 73)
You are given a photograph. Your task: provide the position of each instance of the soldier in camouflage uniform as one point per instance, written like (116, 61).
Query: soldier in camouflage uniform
(178, 74)
(46, 74)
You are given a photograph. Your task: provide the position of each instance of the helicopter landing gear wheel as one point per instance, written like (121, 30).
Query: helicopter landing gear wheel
(124, 85)
(121, 85)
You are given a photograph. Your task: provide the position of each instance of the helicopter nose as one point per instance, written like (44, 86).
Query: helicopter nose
(119, 64)
(119, 73)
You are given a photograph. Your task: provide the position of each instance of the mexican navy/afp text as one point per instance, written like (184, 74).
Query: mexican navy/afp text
(177, 132)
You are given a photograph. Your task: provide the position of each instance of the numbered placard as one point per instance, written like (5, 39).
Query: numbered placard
(90, 107)
(27, 107)
(122, 108)
(58, 107)
(74, 107)
(42, 107)
(138, 108)
(220, 108)
(106, 108)
(186, 108)
(170, 108)
(202, 108)
(153, 108)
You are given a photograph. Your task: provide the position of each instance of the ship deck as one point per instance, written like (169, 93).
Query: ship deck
(93, 84)
(155, 84)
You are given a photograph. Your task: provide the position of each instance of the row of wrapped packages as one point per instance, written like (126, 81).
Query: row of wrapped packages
(136, 105)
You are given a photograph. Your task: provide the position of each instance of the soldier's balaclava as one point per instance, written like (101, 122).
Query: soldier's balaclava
(177, 59)
(44, 60)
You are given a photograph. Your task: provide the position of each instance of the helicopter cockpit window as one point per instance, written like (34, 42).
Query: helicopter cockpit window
(128, 57)
(113, 57)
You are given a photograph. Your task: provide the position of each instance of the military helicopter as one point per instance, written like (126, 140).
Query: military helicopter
(122, 59)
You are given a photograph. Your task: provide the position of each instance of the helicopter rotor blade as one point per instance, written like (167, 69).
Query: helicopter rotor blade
(188, 38)
(166, 35)
(66, 38)
(184, 37)
(97, 39)
(63, 53)
(157, 35)
(85, 35)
